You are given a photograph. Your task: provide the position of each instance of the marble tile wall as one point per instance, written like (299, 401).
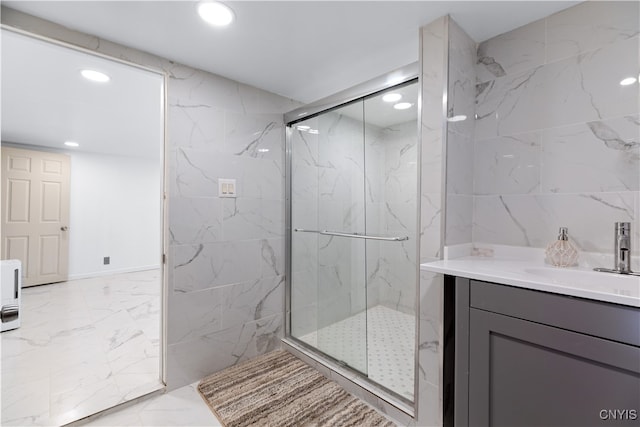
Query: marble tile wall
(328, 184)
(394, 270)
(460, 136)
(305, 164)
(226, 256)
(557, 137)
(434, 43)
(341, 207)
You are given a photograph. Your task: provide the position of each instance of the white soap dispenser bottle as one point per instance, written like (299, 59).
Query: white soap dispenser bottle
(562, 253)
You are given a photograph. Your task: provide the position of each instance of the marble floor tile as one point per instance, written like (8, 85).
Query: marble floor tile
(84, 346)
(180, 407)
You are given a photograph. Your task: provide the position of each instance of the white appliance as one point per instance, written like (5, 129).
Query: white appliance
(10, 294)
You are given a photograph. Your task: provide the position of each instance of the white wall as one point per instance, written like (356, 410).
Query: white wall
(115, 212)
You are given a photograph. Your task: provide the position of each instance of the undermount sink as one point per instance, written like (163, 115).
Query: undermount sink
(624, 284)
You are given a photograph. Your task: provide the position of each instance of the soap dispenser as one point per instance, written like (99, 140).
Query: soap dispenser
(561, 253)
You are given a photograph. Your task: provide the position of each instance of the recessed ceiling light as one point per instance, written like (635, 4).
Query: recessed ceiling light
(303, 127)
(402, 105)
(628, 81)
(71, 144)
(392, 97)
(215, 13)
(95, 76)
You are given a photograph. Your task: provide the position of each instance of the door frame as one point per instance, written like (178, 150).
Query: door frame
(163, 184)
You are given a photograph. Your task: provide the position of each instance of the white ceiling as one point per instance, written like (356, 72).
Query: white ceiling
(46, 101)
(304, 50)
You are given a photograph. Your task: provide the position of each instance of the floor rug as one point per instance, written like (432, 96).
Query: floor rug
(278, 389)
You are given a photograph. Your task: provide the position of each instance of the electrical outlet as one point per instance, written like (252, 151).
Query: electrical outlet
(106, 260)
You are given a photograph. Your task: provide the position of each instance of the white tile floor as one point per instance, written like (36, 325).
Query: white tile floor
(387, 353)
(84, 346)
(180, 407)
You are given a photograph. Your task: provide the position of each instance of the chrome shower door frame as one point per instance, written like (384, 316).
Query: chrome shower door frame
(394, 78)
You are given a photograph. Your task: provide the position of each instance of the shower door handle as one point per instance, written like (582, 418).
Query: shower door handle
(365, 236)
(354, 235)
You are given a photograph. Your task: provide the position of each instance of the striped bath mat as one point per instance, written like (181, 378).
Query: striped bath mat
(278, 389)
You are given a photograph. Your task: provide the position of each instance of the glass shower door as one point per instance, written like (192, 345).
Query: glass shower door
(354, 226)
(328, 292)
(391, 151)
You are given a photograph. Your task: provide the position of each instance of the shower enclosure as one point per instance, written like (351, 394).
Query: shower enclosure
(352, 235)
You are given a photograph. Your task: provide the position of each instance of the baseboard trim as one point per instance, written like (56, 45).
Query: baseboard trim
(112, 272)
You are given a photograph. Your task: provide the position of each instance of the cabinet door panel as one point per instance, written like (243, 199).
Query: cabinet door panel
(597, 318)
(526, 374)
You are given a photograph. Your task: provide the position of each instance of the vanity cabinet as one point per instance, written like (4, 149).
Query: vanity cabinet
(530, 358)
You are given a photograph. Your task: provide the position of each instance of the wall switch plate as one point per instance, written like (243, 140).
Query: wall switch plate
(226, 187)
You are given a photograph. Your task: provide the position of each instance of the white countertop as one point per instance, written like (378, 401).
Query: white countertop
(534, 274)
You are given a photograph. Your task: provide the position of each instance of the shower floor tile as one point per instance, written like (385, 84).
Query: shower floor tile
(387, 354)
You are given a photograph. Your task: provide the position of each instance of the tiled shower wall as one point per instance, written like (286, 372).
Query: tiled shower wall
(328, 282)
(393, 272)
(433, 72)
(557, 136)
(226, 256)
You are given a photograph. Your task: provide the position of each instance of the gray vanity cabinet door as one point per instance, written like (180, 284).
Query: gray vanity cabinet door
(523, 373)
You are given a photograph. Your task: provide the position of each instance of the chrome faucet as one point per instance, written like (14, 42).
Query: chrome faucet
(622, 250)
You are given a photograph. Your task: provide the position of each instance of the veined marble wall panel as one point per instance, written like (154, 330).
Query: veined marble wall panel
(508, 164)
(330, 190)
(240, 271)
(460, 136)
(589, 26)
(596, 156)
(216, 351)
(341, 207)
(226, 257)
(572, 90)
(434, 76)
(305, 168)
(397, 286)
(557, 136)
(533, 220)
(511, 52)
(375, 152)
(429, 374)
(375, 146)
(459, 219)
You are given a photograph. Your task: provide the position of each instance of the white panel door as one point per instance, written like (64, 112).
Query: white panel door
(35, 213)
